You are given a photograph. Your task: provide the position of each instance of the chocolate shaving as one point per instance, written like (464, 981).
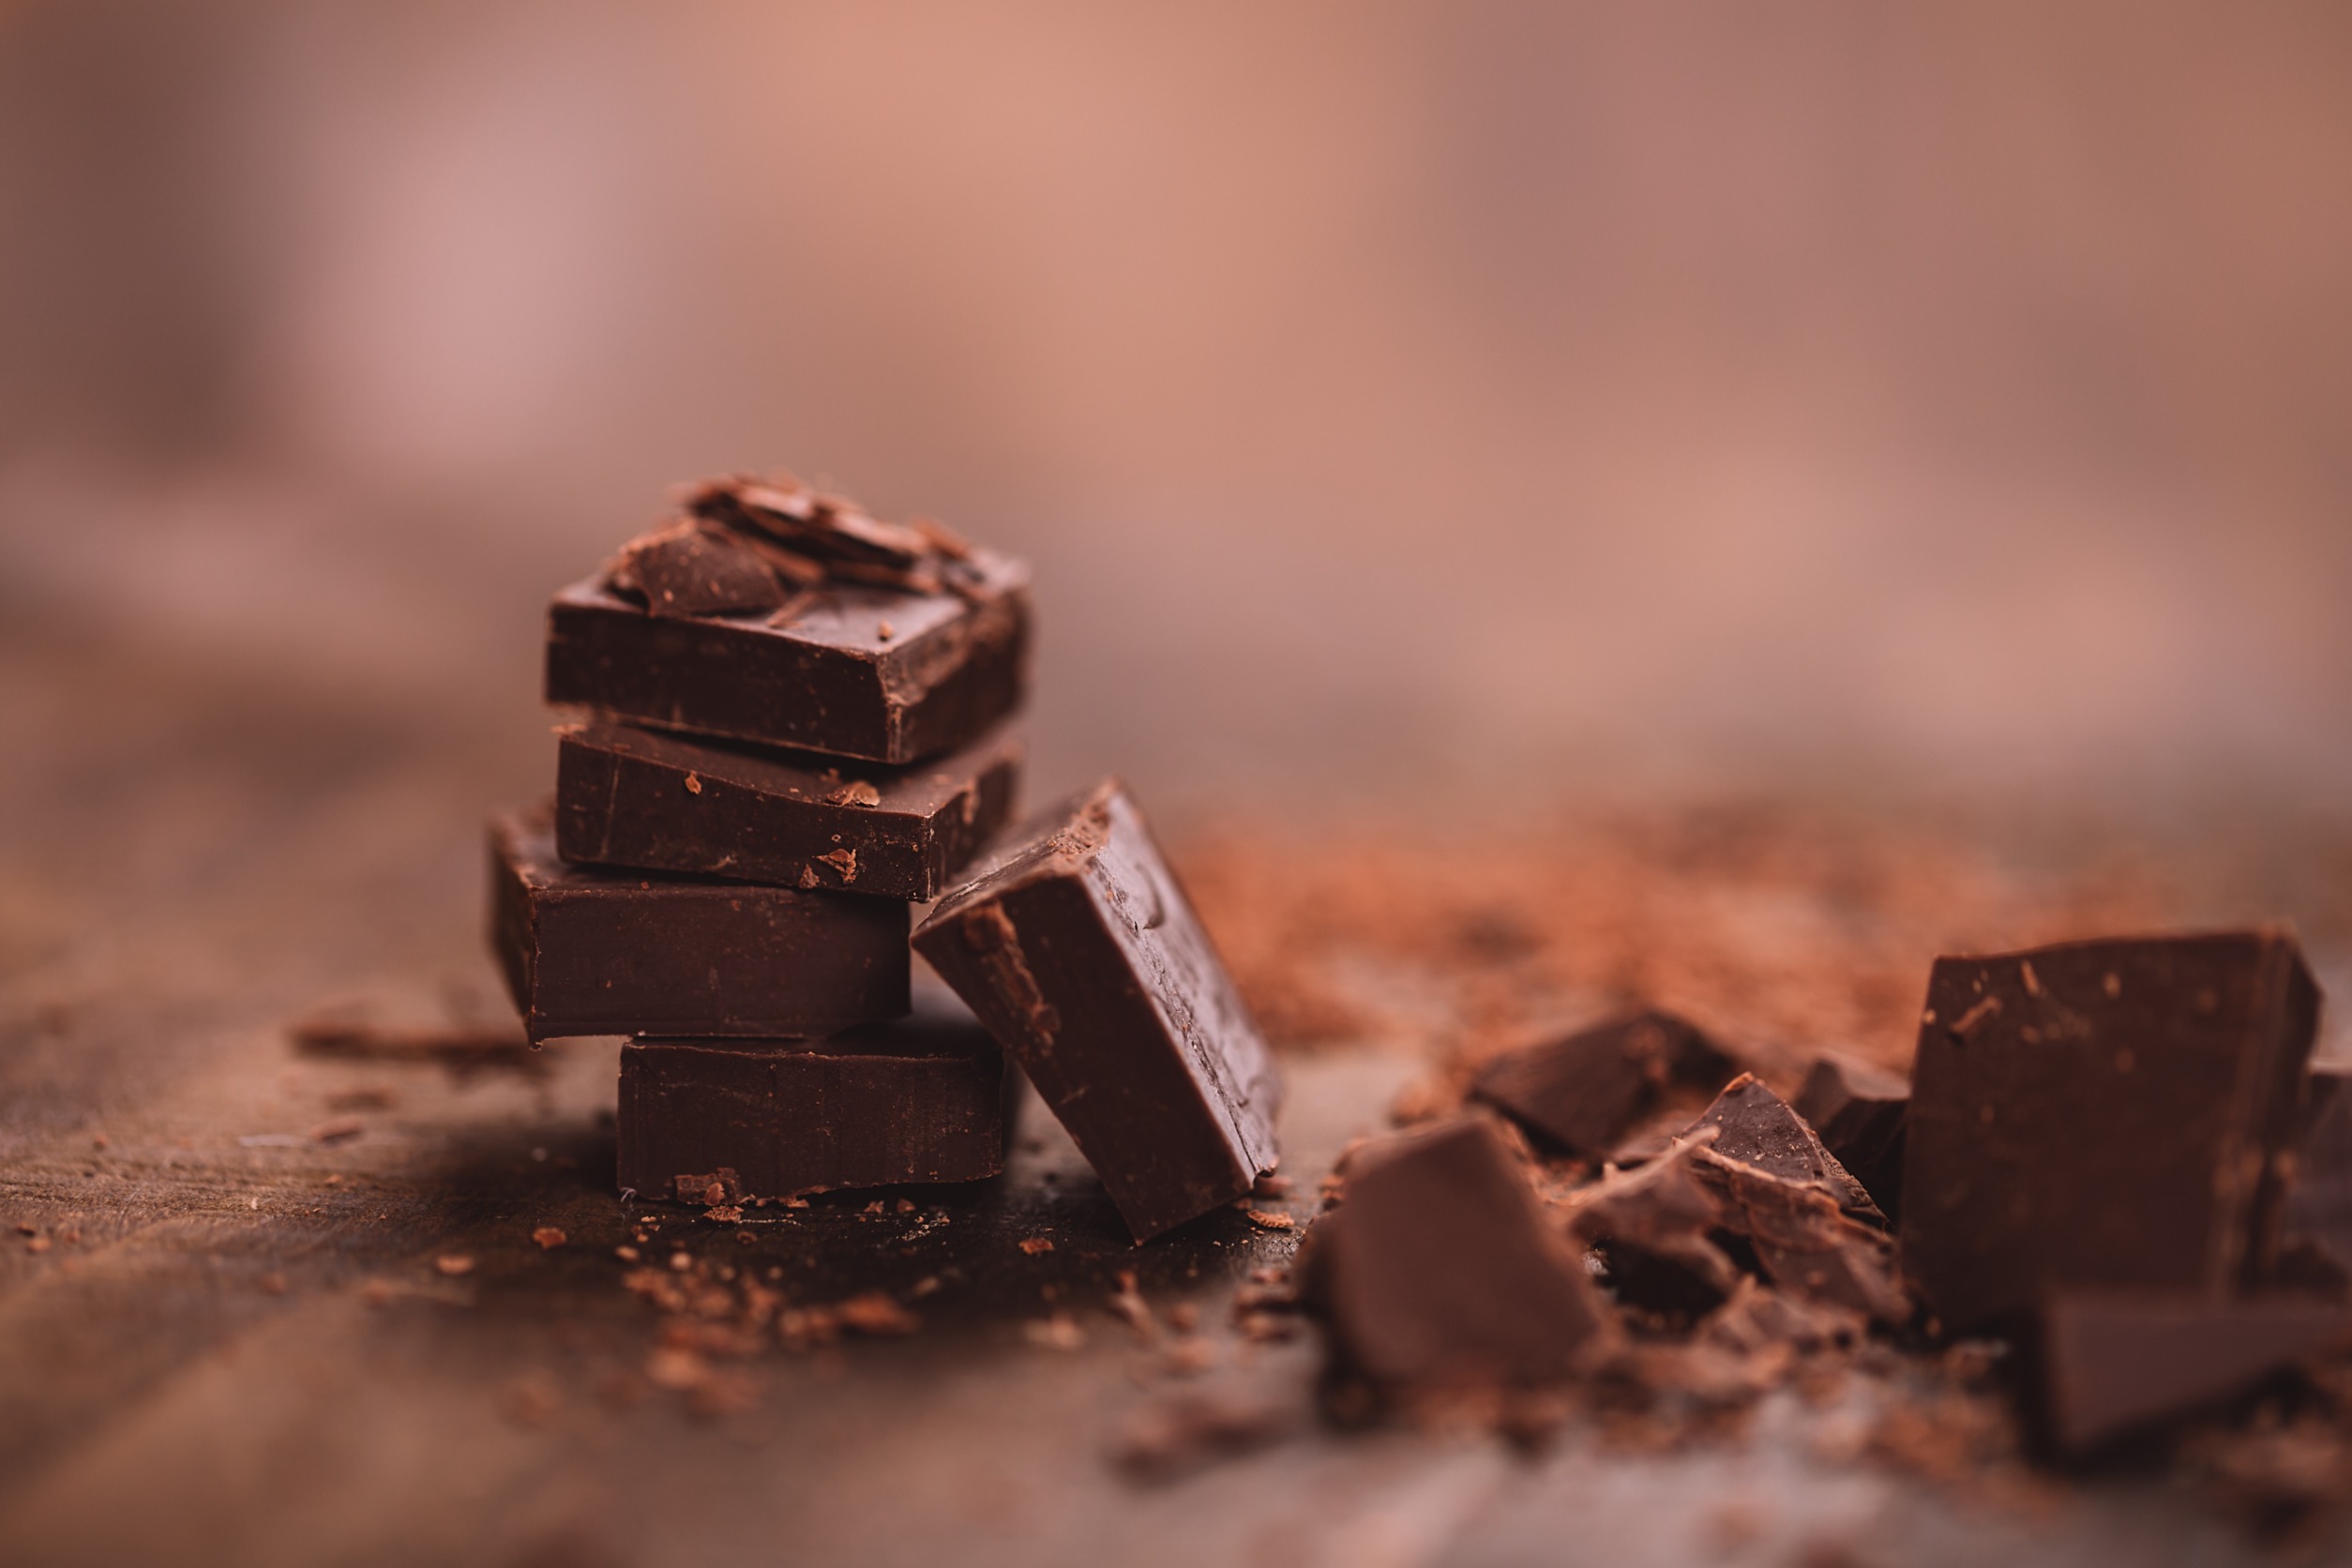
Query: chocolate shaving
(808, 539)
(687, 569)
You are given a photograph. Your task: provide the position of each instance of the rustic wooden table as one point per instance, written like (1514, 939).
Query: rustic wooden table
(228, 1334)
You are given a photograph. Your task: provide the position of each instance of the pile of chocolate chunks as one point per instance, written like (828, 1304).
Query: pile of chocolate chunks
(801, 722)
(2110, 1153)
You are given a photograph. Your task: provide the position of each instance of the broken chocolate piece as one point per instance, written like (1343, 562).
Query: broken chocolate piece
(1584, 1092)
(827, 680)
(1857, 1111)
(2103, 1114)
(1757, 1128)
(1440, 1270)
(1803, 1241)
(1651, 1227)
(2113, 1364)
(922, 1099)
(627, 796)
(1080, 952)
(684, 568)
(589, 952)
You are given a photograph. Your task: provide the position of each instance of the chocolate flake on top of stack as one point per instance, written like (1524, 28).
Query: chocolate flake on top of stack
(800, 723)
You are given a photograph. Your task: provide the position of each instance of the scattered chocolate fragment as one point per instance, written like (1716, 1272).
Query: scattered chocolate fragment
(590, 952)
(1802, 1240)
(1079, 950)
(685, 568)
(2117, 1363)
(1441, 1270)
(824, 680)
(1652, 1226)
(2114, 1114)
(633, 797)
(716, 1122)
(1756, 1128)
(1857, 1111)
(1584, 1092)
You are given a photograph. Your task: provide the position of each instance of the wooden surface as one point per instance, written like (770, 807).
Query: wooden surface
(230, 1340)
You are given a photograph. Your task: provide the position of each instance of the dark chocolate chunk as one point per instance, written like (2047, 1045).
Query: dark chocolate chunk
(834, 536)
(1081, 953)
(687, 569)
(2103, 1114)
(1439, 1269)
(1652, 1226)
(1584, 1092)
(2115, 1364)
(589, 952)
(1857, 1111)
(1756, 1128)
(627, 796)
(874, 673)
(1803, 1241)
(922, 1099)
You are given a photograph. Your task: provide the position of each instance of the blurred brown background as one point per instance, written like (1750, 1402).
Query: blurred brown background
(1542, 398)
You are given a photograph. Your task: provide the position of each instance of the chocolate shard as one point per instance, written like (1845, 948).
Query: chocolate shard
(2113, 1364)
(1803, 1241)
(2109, 1114)
(1652, 1226)
(627, 796)
(1080, 951)
(1755, 1128)
(2318, 1209)
(1857, 1111)
(590, 952)
(684, 568)
(878, 673)
(922, 1099)
(1439, 1270)
(1583, 1092)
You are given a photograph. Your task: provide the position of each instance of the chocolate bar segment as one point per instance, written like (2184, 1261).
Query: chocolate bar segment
(852, 669)
(1438, 1269)
(2103, 1114)
(924, 1099)
(2111, 1364)
(644, 798)
(590, 952)
(1081, 953)
(1858, 1112)
(1584, 1092)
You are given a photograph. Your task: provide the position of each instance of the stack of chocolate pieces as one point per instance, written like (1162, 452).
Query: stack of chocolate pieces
(799, 727)
(799, 724)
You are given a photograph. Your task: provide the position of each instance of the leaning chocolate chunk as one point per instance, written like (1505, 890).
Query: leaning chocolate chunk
(1078, 949)
(1584, 1091)
(2113, 1364)
(922, 1099)
(882, 674)
(589, 952)
(2103, 1114)
(1439, 1269)
(685, 568)
(1651, 1228)
(627, 796)
(1803, 1241)
(1755, 1128)
(1857, 1111)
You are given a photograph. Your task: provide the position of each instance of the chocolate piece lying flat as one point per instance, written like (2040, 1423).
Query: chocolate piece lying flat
(920, 1100)
(688, 569)
(2114, 1363)
(2103, 1114)
(626, 796)
(1439, 1269)
(855, 670)
(1756, 1128)
(1652, 1225)
(589, 952)
(2319, 1199)
(1080, 952)
(1858, 1110)
(1584, 1091)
